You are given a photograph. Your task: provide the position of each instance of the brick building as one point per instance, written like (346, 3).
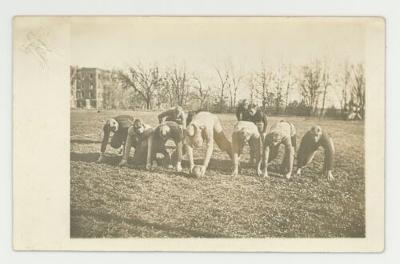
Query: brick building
(89, 87)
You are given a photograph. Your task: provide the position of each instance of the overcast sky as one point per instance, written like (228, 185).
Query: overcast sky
(204, 43)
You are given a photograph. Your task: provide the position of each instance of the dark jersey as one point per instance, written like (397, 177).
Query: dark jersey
(241, 111)
(124, 122)
(258, 117)
(175, 133)
(308, 146)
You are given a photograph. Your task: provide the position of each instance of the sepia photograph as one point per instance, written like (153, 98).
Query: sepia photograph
(240, 134)
(217, 127)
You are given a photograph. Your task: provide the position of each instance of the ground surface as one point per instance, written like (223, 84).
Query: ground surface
(109, 201)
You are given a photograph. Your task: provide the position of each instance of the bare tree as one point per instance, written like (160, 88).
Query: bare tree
(167, 94)
(251, 82)
(224, 85)
(263, 81)
(346, 80)
(326, 82)
(73, 71)
(201, 94)
(178, 82)
(310, 85)
(145, 81)
(288, 86)
(73, 74)
(278, 97)
(235, 80)
(358, 87)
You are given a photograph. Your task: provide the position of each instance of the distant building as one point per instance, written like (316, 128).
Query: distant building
(89, 87)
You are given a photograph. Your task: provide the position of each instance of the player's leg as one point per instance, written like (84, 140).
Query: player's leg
(255, 151)
(273, 153)
(129, 142)
(236, 151)
(140, 154)
(329, 161)
(222, 141)
(304, 157)
(117, 140)
(287, 162)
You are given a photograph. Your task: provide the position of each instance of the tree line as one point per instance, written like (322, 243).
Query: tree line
(313, 89)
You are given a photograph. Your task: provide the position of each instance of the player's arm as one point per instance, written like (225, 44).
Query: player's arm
(106, 136)
(289, 152)
(149, 150)
(209, 151)
(209, 138)
(236, 150)
(265, 122)
(131, 140)
(265, 156)
(189, 151)
(184, 117)
(329, 151)
(179, 150)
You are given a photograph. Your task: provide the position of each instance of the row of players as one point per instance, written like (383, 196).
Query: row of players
(250, 129)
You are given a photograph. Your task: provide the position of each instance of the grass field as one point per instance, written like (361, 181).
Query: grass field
(109, 201)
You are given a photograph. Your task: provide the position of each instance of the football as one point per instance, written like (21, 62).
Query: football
(196, 171)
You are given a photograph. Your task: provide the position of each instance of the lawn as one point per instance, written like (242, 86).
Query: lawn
(109, 201)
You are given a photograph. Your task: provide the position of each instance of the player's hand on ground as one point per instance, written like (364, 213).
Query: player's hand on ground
(259, 171)
(329, 176)
(203, 171)
(178, 167)
(121, 151)
(148, 166)
(123, 163)
(101, 159)
(235, 172)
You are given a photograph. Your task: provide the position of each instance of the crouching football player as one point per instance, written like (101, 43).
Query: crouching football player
(310, 143)
(157, 140)
(205, 126)
(246, 132)
(281, 133)
(119, 127)
(137, 137)
(258, 117)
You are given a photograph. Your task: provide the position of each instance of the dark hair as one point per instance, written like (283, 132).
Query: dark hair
(137, 122)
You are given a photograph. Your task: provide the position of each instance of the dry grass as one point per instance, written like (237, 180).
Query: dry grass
(108, 201)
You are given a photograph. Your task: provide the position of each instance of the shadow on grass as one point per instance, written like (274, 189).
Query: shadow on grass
(85, 141)
(221, 166)
(76, 230)
(224, 166)
(93, 157)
